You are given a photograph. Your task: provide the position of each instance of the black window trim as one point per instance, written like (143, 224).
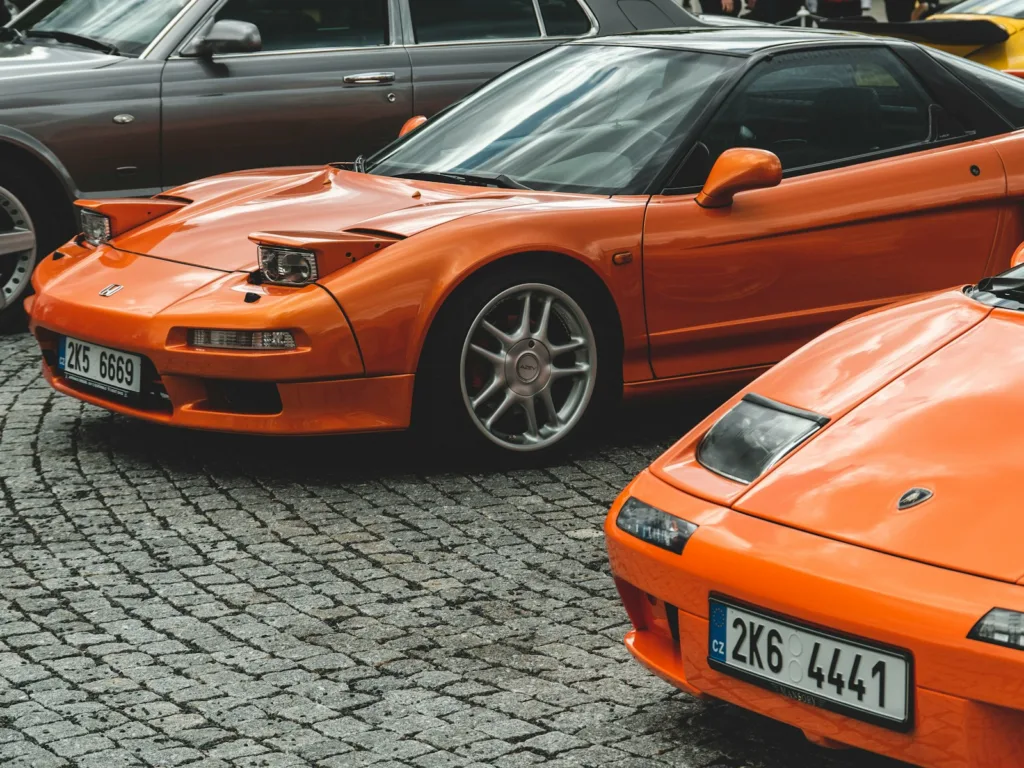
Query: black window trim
(200, 27)
(910, 55)
(953, 95)
(409, 31)
(981, 100)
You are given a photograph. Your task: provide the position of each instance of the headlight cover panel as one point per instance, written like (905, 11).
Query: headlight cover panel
(754, 435)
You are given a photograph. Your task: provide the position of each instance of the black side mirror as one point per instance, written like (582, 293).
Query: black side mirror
(225, 36)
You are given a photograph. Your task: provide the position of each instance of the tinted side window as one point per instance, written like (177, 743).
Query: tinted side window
(1004, 93)
(287, 25)
(564, 18)
(439, 21)
(821, 107)
(643, 14)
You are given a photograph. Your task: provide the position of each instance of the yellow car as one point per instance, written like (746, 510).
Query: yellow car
(985, 31)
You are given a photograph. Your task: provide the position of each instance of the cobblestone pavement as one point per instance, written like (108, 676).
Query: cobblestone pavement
(171, 598)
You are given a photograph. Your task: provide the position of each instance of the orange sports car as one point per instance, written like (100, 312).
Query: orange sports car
(642, 212)
(836, 547)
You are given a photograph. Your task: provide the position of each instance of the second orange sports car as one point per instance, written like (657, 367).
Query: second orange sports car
(639, 212)
(837, 546)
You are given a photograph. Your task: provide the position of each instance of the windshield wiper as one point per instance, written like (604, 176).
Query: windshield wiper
(73, 39)
(10, 34)
(1002, 286)
(499, 180)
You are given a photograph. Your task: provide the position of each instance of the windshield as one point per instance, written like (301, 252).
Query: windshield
(1014, 9)
(128, 25)
(600, 119)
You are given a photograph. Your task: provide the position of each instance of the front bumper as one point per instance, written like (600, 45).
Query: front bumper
(307, 408)
(317, 388)
(968, 703)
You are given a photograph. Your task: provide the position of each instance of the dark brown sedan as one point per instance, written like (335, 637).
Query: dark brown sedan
(105, 98)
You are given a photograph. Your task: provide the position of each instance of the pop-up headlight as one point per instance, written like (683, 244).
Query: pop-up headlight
(1000, 627)
(288, 266)
(95, 227)
(655, 527)
(754, 435)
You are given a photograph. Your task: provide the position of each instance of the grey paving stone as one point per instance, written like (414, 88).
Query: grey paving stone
(170, 598)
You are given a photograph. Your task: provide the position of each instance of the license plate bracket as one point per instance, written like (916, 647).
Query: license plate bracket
(862, 679)
(100, 368)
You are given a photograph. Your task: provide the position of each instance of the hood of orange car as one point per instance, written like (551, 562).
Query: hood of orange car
(951, 425)
(213, 230)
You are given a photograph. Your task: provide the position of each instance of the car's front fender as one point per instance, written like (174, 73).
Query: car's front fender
(392, 298)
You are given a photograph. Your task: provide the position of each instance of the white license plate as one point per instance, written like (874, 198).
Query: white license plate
(829, 670)
(100, 367)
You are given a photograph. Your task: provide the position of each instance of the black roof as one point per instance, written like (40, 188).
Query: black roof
(735, 40)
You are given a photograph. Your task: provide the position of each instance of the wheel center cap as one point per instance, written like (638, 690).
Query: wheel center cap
(528, 368)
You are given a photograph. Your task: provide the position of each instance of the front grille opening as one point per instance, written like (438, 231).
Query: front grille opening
(254, 398)
(662, 617)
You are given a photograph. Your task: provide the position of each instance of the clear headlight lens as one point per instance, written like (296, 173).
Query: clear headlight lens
(287, 266)
(95, 227)
(655, 527)
(1000, 627)
(255, 340)
(753, 436)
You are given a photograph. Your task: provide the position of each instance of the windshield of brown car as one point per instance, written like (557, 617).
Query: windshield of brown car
(129, 26)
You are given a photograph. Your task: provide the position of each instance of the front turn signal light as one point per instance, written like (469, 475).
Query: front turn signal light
(650, 524)
(209, 338)
(1000, 627)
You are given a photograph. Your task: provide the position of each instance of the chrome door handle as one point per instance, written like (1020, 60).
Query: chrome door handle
(370, 78)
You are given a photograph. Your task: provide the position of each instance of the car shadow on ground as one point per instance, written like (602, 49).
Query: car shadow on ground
(740, 734)
(644, 429)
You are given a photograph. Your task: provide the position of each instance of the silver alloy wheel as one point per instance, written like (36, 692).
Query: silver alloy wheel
(529, 367)
(17, 249)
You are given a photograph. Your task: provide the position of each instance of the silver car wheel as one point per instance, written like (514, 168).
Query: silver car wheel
(529, 367)
(17, 249)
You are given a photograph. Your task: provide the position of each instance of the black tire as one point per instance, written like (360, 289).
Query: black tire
(51, 219)
(441, 415)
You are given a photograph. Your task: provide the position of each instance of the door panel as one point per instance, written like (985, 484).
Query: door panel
(249, 111)
(748, 284)
(103, 124)
(445, 73)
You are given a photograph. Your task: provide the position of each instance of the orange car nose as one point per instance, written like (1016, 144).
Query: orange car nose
(146, 305)
(121, 287)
